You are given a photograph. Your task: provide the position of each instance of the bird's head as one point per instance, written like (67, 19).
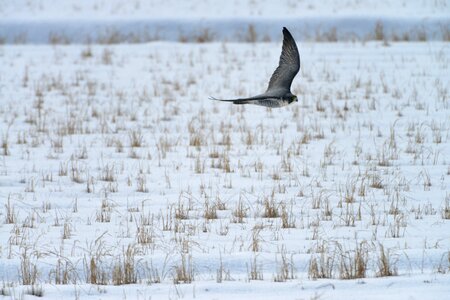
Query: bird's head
(293, 98)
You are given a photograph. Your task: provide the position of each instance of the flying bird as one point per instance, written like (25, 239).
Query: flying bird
(278, 93)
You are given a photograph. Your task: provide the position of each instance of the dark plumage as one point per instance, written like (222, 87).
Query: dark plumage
(278, 92)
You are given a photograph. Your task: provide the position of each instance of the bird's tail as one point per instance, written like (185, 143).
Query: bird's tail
(240, 100)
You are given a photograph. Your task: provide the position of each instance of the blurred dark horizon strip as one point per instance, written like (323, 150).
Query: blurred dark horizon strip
(252, 29)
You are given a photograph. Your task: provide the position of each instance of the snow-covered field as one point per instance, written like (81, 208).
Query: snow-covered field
(119, 179)
(117, 21)
(210, 8)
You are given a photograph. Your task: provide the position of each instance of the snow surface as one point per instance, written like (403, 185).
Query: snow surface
(112, 158)
(106, 147)
(210, 8)
(47, 21)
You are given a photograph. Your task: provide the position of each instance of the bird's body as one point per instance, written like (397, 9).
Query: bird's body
(278, 93)
(275, 98)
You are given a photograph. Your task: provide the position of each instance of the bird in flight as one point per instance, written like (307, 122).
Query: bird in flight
(278, 93)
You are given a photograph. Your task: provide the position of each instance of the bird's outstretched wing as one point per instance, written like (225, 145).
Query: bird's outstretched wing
(288, 66)
(281, 80)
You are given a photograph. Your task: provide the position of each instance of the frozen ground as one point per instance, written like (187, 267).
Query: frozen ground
(70, 21)
(209, 8)
(120, 179)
